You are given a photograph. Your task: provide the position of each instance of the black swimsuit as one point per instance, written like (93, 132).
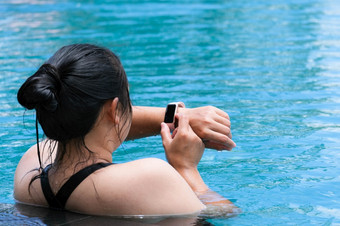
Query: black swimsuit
(59, 200)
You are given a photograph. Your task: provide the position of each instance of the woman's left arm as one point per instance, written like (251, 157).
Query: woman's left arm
(211, 124)
(146, 121)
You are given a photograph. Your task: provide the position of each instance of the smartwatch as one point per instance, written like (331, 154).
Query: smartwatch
(170, 112)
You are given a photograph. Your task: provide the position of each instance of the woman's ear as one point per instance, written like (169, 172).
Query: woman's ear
(114, 111)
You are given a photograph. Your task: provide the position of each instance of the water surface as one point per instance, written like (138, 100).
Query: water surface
(272, 65)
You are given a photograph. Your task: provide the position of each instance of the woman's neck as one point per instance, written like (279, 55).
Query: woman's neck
(81, 153)
(97, 145)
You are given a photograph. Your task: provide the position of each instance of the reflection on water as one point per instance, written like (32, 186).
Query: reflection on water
(22, 214)
(272, 65)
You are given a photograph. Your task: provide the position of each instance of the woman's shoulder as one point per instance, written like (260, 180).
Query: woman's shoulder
(142, 187)
(30, 159)
(47, 154)
(26, 190)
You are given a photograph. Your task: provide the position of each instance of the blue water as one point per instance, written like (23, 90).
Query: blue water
(274, 66)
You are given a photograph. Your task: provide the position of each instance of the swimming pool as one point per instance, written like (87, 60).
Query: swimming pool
(272, 65)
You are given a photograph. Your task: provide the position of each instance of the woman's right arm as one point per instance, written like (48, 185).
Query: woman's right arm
(184, 150)
(209, 123)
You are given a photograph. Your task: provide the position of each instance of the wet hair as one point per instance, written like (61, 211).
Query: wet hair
(69, 90)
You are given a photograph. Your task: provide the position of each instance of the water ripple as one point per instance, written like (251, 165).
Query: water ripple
(272, 65)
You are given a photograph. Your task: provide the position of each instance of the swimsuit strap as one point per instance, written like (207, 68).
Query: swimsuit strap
(46, 188)
(59, 200)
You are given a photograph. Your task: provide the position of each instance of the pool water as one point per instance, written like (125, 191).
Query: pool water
(274, 66)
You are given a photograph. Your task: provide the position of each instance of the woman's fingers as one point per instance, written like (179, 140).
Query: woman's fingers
(222, 128)
(183, 123)
(165, 134)
(221, 113)
(218, 141)
(218, 146)
(222, 120)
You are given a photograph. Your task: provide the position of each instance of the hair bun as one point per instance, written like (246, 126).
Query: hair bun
(41, 90)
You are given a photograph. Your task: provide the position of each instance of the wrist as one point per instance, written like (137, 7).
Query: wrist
(194, 179)
(182, 110)
(170, 112)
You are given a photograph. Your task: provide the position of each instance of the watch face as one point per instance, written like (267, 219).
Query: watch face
(170, 113)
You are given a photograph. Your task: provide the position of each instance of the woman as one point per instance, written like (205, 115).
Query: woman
(82, 103)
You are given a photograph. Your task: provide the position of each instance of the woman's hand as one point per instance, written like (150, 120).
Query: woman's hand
(183, 149)
(212, 125)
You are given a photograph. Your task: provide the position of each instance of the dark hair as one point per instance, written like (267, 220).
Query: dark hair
(69, 90)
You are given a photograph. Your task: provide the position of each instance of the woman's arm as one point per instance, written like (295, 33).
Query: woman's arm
(184, 150)
(211, 124)
(146, 121)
